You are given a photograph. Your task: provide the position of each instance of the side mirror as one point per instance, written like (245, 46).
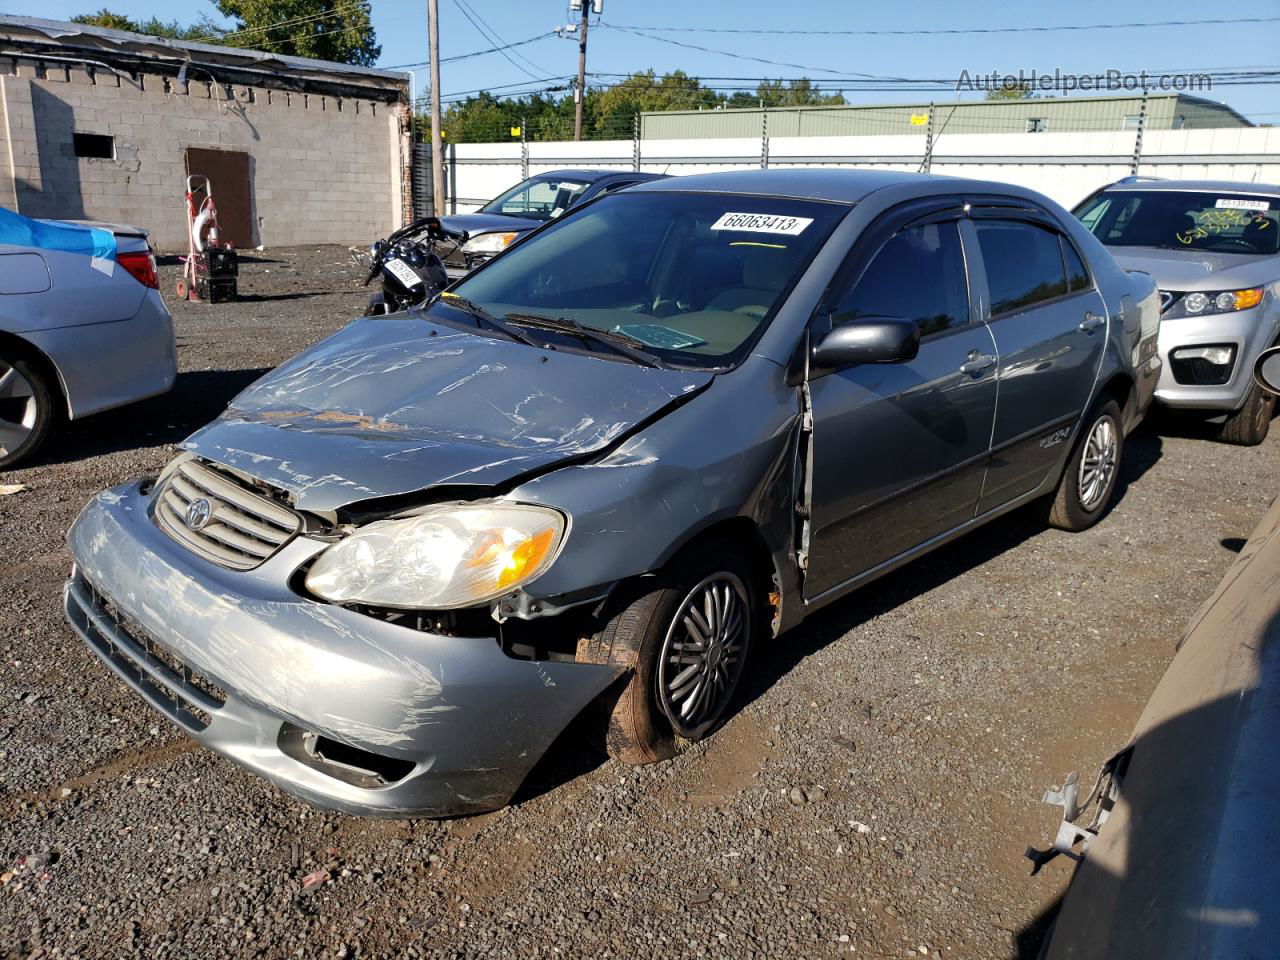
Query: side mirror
(866, 340)
(1267, 370)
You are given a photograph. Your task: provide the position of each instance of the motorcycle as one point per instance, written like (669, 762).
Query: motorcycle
(411, 271)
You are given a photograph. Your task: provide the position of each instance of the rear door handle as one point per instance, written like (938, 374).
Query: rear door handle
(1090, 323)
(977, 363)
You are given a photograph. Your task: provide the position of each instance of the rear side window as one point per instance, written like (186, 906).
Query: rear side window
(918, 275)
(1077, 275)
(1024, 264)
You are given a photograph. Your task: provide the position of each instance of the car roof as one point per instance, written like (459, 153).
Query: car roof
(591, 176)
(1204, 186)
(837, 186)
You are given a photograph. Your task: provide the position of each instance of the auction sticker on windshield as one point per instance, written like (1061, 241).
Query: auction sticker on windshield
(762, 223)
(1231, 203)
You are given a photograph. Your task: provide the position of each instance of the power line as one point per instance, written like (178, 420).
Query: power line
(477, 53)
(958, 30)
(502, 40)
(727, 53)
(485, 31)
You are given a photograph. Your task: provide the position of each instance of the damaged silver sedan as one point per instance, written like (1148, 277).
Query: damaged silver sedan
(606, 467)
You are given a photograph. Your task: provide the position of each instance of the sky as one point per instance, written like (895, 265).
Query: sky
(402, 30)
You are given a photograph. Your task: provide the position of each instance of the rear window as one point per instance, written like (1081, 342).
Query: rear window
(1023, 263)
(1221, 222)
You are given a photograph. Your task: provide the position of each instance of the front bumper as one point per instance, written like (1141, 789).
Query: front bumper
(467, 721)
(1249, 331)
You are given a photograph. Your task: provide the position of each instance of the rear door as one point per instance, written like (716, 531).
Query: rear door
(899, 450)
(1050, 328)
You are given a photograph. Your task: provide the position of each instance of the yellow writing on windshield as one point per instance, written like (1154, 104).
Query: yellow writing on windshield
(1214, 222)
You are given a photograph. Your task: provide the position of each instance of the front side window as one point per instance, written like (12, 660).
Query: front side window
(692, 277)
(542, 198)
(1185, 220)
(918, 275)
(1023, 263)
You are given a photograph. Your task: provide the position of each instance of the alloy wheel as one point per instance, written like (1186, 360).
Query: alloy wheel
(1098, 464)
(703, 654)
(18, 409)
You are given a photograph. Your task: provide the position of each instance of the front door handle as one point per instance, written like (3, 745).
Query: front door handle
(1090, 323)
(977, 363)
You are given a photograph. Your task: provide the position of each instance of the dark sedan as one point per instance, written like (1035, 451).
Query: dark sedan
(523, 208)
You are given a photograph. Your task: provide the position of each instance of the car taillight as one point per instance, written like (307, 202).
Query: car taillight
(142, 266)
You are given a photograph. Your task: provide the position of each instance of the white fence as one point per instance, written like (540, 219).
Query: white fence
(1065, 166)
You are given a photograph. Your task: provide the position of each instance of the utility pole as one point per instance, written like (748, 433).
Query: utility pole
(580, 92)
(437, 151)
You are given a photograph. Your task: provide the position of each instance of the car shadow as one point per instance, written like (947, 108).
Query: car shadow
(773, 661)
(176, 259)
(268, 297)
(573, 754)
(1188, 426)
(197, 397)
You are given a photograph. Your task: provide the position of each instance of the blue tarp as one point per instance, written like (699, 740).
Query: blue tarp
(93, 242)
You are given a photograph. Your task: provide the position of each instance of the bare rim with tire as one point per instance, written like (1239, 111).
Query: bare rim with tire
(703, 653)
(26, 408)
(1089, 480)
(1098, 463)
(685, 635)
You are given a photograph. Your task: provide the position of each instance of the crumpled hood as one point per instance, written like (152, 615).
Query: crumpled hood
(394, 404)
(477, 223)
(1185, 270)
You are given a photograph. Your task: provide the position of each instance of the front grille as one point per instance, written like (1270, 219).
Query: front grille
(241, 527)
(167, 682)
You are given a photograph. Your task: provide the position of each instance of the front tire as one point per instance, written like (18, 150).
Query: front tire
(1249, 425)
(685, 635)
(1089, 481)
(27, 409)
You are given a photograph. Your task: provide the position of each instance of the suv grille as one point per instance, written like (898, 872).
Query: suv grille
(240, 529)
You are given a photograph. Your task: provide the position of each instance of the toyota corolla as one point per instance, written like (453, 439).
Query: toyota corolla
(604, 469)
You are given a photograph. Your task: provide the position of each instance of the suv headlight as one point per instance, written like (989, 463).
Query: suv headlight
(1199, 304)
(488, 243)
(447, 556)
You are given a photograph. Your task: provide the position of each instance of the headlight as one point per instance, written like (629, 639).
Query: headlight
(448, 556)
(489, 243)
(1200, 304)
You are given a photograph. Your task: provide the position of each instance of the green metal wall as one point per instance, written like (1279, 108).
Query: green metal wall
(1055, 114)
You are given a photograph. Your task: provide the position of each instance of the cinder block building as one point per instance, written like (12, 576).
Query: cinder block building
(106, 125)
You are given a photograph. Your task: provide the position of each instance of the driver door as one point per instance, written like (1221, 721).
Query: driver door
(900, 449)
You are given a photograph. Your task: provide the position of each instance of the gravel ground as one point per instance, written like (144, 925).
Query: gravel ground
(872, 797)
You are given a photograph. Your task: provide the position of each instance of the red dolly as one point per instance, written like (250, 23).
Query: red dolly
(210, 267)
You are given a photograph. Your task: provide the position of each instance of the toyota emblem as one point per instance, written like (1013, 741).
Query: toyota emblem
(199, 512)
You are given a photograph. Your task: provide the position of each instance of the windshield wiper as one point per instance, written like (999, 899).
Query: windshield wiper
(620, 343)
(486, 319)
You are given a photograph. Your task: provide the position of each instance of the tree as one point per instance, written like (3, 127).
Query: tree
(1021, 91)
(801, 92)
(203, 30)
(337, 30)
